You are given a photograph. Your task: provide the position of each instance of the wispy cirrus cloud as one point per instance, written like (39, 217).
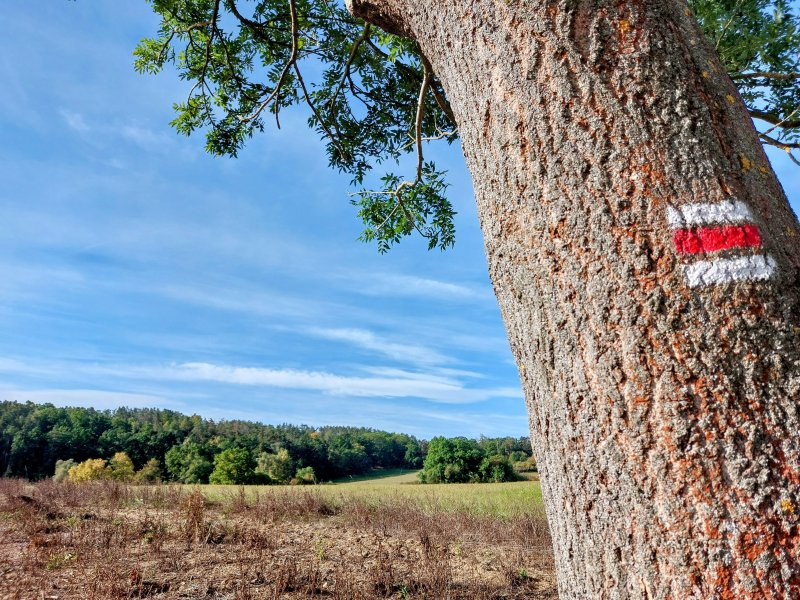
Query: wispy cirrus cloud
(410, 353)
(401, 384)
(444, 386)
(74, 121)
(102, 133)
(146, 138)
(411, 285)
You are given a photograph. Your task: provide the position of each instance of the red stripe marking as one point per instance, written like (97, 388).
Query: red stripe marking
(712, 239)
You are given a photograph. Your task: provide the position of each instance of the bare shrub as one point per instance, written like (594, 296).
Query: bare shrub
(193, 508)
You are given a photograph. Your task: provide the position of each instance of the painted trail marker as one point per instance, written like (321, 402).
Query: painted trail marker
(720, 242)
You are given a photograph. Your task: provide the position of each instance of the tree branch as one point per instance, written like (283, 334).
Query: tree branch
(289, 64)
(397, 193)
(423, 91)
(728, 23)
(313, 108)
(438, 93)
(773, 119)
(346, 70)
(767, 75)
(770, 141)
(441, 101)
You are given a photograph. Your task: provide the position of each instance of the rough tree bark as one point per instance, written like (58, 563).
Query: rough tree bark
(647, 266)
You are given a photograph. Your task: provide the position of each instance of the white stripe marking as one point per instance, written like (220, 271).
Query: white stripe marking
(727, 212)
(726, 270)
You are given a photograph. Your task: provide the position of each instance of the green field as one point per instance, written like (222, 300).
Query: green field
(505, 500)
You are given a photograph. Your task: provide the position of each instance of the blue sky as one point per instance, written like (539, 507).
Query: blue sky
(136, 270)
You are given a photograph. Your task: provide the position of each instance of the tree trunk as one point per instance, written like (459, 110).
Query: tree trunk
(646, 263)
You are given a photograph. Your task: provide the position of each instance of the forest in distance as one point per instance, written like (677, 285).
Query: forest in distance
(147, 444)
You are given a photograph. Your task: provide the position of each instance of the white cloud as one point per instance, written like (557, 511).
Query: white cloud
(11, 365)
(410, 285)
(411, 353)
(147, 139)
(402, 384)
(74, 120)
(438, 371)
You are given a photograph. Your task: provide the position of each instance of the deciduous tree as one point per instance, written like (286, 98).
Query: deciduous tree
(234, 466)
(643, 253)
(122, 468)
(93, 469)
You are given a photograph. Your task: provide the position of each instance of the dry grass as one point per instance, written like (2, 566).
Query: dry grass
(506, 500)
(112, 541)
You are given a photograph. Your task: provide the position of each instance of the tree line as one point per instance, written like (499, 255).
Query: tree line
(145, 444)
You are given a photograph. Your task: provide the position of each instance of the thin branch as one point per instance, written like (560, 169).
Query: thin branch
(440, 135)
(774, 119)
(398, 201)
(787, 146)
(201, 80)
(767, 75)
(210, 42)
(313, 108)
(399, 205)
(289, 63)
(162, 54)
(770, 141)
(199, 24)
(438, 94)
(397, 193)
(729, 23)
(783, 121)
(441, 101)
(423, 91)
(346, 71)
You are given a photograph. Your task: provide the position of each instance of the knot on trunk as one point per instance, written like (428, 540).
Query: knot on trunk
(389, 15)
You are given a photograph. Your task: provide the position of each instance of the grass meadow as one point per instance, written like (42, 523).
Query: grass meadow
(496, 500)
(385, 537)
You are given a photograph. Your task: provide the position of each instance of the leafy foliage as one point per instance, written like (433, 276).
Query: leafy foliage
(93, 469)
(372, 96)
(121, 467)
(32, 436)
(278, 467)
(461, 460)
(149, 473)
(62, 469)
(233, 466)
(115, 444)
(189, 462)
(305, 476)
(759, 44)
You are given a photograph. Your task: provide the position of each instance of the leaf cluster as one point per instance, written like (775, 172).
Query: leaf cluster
(759, 44)
(461, 460)
(247, 61)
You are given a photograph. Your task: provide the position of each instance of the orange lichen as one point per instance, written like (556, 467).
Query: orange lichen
(747, 164)
(730, 99)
